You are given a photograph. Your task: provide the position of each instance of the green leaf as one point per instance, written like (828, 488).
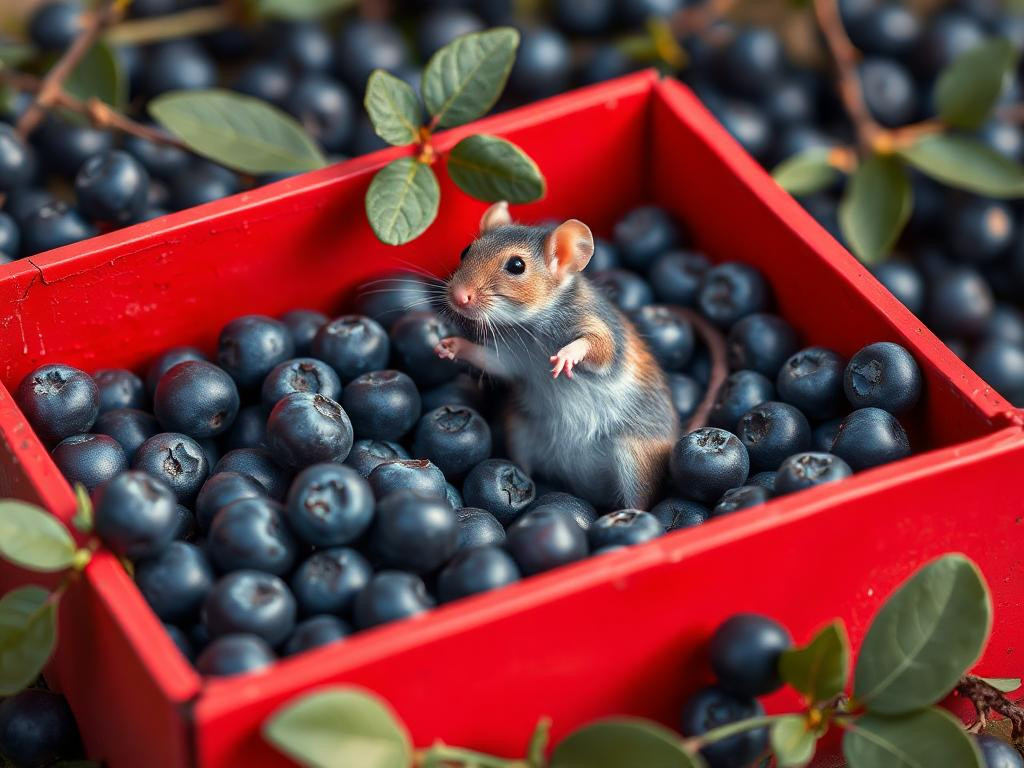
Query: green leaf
(33, 538)
(402, 201)
(14, 54)
(820, 669)
(490, 168)
(792, 742)
(98, 76)
(875, 207)
(83, 519)
(241, 132)
(615, 743)
(929, 738)
(806, 172)
(464, 79)
(966, 163)
(299, 9)
(393, 107)
(969, 87)
(1003, 684)
(538, 745)
(925, 637)
(28, 634)
(340, 727)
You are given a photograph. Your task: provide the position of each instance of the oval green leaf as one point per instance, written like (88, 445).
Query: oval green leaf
(792, 743)
(28, 634)
(340, 728)
(615, 743)
(32, 538)
(393, 107)
(875, 207)
(402, 201)
(925, 637)
(965, 163)
(492, 169)
(240, 132)
(969, 87)
(929, 738)
(820, 669)
(98, 76)
(806, 172)
(292, 10)
(1003, 684)
(464, 79)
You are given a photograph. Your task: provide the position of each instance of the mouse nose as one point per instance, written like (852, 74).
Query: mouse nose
(463, 296)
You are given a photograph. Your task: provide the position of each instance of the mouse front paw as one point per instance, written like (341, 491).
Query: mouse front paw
(568, 356)
(448, 349)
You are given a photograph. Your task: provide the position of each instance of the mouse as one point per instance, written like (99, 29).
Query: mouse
(589, 406)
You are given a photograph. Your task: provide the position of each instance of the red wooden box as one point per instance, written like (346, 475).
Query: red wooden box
(618, 634)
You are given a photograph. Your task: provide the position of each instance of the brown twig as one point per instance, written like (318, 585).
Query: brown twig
(987, 699)
(695, 19)
(715, 342)
(52, 85)
(101, 114)
(196, 21)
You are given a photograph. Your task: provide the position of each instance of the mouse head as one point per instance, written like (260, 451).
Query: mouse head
(512, 272)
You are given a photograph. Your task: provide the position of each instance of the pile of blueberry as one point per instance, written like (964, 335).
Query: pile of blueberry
(318, 477)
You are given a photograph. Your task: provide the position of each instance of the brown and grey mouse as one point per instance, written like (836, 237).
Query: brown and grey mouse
(591, 408)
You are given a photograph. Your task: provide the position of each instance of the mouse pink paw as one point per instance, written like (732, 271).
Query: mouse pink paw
(569, 356)
(448, 349)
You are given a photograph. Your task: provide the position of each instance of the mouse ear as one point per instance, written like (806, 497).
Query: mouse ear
(569, 247)
(495, 216)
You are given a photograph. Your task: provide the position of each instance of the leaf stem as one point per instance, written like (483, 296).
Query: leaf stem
(197, 21)
(52, 85)
(441, 754)
(697, 743)
(986, 699)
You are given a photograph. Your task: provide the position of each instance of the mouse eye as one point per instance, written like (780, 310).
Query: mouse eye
(462, 256)
(515, 266)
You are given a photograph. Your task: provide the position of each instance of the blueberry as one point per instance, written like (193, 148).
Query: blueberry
(636, 12)
(175, 582)
(904, 281)
(304, 325)
(222, 489)
(761, 342)
(869, 437)
(17, 162)
(676, 276)
(250, 347)
(387, 304)
(744, 497)
(329, 504)
(687, 394)
(118, 388)
(765, 480)
(136, 516)
(112, 187)
(753, 49)
(740, 392)
(176, 460)
(258, 465)
(196, 398)
(306, 428)
(1004, 137)
(185, 528)
(168, 360)
(302, 45)
(476, 570)
(161, 160)
(63, 146)
(543, 64)
(980, 230)
(178, 65)
(352, 345)
(707, 462)
(606, 256)
(478, 528)
(325, 108)
(329, 580)
(712, 707)
(315, 632)
(884, 375)
(644, 234)
(302, 374)
(462, 390)
(624, 528)
(946, 36)
(37, 729)
(58, 401)
(383, 405)
(584, 17)
(130, 427)
(414, 338)
(53, 226)
(674, 513)
(997, 753)
(960, 302)
(10, 236)
(267, 80)
(55, 25)
(889, 91)
(1001, 364)
(732, 291)
(809, 469)
(365, 45)
(545, 538)
(390, 596)
(202, 183)
(771, 432)
(577, 509)
(414, 531)
(180, 639)
(252, 533)
(627, 290)
(500, 487)
(440, 26)
(793, 103)
(248, 430)
(667, 333)
(745, 651)
(749, 125)
(812, 380)
(1006, 324)
(250, 602)
(235, 654)
(454, 438)
(888, 29)
(367, 455)
(89, 459)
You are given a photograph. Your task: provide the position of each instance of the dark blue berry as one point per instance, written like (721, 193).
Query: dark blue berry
(732, 291)
(63, 146)
(1006, 324)
(606, 256)
(180, 639)
(462, 390)
(960, 302)
(136, 516)
(745, 651)
(674, 513)
(118, 388)
(250, 347)
(53, 226)
(749, 125)
(476, 570)
(740, 392)
(168, 360)
(329, 580)
(707, 462)
(248, 430)
(765, 480)
(455, 438)
(752, 50)
(644, 234)
(624, 528)
(175, 582)
(771, 432)
(676, 276)
(869, 437)
(888, 29)
(687, 394)
(267, 80)
(202, 183)
(584, 17)
(301, 45)
(250, 602)
(889, 91)
(178, 65)
(383, 405)
(627, 290)
(10, 237)
(176, 460)
(440, 26)
(89, 459)
(386, 300)
(812, 380)
(413, 474)
(884, 375)
(414, 338)
(222, 489)
(325, 108)
(761, 342)
(945, 37)
(579, 510)
(259, 465)
(58, 401)
(251, 533)
(390, 596)
(713, 707)
(1001, 364)
(824, 434)
(17, 162)
(364, 45)
(112, 187)
(304, 324)
(744, 497)
(367, 455)
(543, 64)
(980, 230)
(478, 528)
(904, 281)
(196, 398)
(500, 487)
(545, 538)
(414, 531)
(315, 632)
(186, 528)
(302, 374)
(55, 25)
(352, 345)
(809, 469)
(161, 160)
(235, 654)
(997, 753)
(668, 335)
(37, 729)
(635, 13)
(130, 427)
(306, 428)
(329, 504)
